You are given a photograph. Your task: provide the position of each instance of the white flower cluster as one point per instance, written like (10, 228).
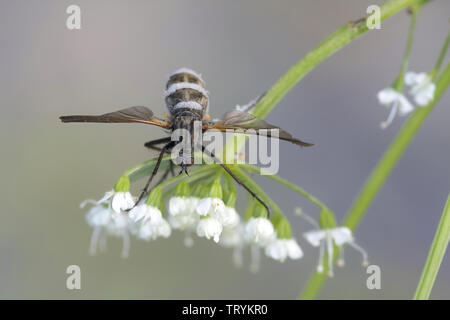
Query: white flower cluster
(210, 218)
(116, 214)
(108, 216)
(421, 88)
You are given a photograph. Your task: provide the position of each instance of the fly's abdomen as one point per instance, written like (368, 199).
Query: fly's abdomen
(185, 92)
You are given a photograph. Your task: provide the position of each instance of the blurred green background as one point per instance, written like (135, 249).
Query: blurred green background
(120, 58)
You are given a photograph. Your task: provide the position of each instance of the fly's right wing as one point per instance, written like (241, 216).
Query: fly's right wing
(242, 120)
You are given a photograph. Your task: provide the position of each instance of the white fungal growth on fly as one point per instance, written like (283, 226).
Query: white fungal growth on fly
(185, 85)
(187, 105)
(185, 70)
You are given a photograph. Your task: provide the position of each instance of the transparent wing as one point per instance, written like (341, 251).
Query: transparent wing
(242, 120)
(129, 115)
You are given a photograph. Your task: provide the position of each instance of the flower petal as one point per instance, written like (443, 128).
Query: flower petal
(387, 96)
(341, 235)
(203, 206)
(314, 237)
(293, 249)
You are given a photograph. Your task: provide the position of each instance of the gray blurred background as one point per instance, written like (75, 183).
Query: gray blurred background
(120, 58)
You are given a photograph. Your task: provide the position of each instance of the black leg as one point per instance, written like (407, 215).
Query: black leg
(151, 144)
(225, 167)
(155, 170)
(166, 173)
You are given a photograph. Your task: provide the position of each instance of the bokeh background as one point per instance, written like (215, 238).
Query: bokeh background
(120, 58)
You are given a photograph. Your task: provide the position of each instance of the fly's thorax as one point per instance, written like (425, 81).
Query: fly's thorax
(185, 119)
(185, 92)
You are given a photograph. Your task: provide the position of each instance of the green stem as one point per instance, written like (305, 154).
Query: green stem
(381, 172)
(441, 57)
(399, 82)
(435, 255)
(340, 38)
(288, 184)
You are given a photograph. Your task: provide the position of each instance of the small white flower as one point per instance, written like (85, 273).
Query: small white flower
(396, 101)
(209, 228)
(422, 88)
(144, 212)
(119, 223)
(228, 217)
(232, 236)
(182, 212)
(324, 238)
(122, 201)
(98, 216)
(106, 221)
(150, 222)
(150, 230)
(280, 249)
(212, 206)
(259, 231)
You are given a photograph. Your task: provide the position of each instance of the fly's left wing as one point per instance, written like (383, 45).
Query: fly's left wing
(242, 120)
(128, 115)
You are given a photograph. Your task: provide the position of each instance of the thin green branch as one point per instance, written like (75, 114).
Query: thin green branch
(381, 172)
(435, 255)
(442, 54)
(399, 82)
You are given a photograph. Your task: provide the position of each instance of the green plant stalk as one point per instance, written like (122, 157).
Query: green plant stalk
(289, 185)
(381, 172)
(399, 82)
(340, 38)
(435, 255)
(442, 54)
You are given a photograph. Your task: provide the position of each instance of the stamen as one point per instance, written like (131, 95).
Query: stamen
(102, 241)
(321, 256)
(238, 258)
(188, 240)
(87, 201)
(330, 249)
(126, 244)
(341, 262)
(308, 219)
(365, 261)
(94, 240)
(391, 116)
(255, 259)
